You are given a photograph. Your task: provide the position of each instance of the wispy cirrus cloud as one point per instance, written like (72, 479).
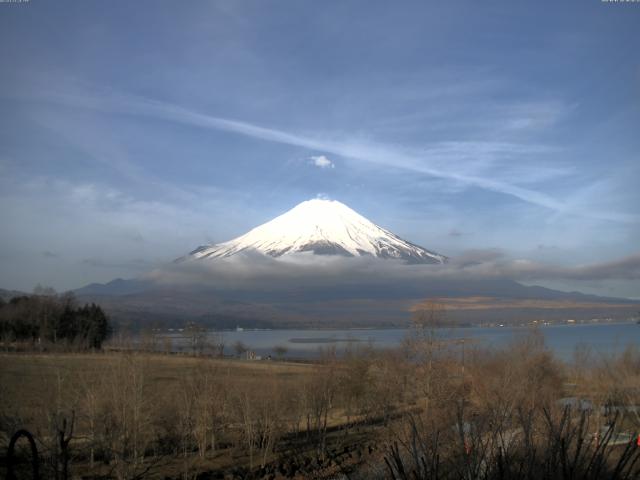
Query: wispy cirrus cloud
(428, 161)
(496, 166)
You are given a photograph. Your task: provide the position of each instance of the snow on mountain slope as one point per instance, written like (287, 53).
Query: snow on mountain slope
(324, 227)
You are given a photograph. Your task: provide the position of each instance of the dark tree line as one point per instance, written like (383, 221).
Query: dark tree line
(55, 319)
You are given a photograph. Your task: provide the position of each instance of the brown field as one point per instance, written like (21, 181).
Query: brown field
(23, 374)
(36, 388)
(142, 415)
(29, 380)
(491, 303)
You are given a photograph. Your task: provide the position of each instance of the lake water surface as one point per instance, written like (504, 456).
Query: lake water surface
(601, 338)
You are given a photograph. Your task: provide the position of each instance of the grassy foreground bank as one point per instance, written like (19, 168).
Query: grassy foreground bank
(155, 416)
(424, 411)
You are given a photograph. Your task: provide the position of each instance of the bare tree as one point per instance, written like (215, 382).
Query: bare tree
(217, 344)
(355, 381)
(280, 350)
(127, 415)
(239, 347)
(167, 344)
(245, 410)
(197, 336)
(423, 342)
(320, 395)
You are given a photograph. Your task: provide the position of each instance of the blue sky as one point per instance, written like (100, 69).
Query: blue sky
(132, 132)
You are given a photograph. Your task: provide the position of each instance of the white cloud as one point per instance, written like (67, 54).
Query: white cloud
(253, 270)
(321, 161)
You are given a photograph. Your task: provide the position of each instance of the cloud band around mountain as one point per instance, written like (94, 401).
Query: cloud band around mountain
(308, 271)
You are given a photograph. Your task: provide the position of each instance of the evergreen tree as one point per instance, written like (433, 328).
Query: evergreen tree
(55, 319)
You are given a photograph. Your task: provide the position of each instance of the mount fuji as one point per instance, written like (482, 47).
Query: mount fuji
(322, 227)
(323, 264)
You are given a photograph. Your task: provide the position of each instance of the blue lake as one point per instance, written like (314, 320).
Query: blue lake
(601, 338)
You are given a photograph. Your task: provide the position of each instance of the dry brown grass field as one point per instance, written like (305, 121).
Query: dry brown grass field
(421, 412)
(153, 399)
(32, 382)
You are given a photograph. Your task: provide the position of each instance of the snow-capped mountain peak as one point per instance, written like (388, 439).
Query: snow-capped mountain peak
(324, 227)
